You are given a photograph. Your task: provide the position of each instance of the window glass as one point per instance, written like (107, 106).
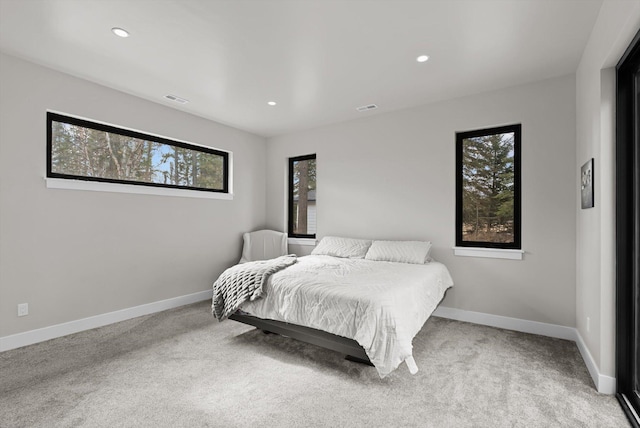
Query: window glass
(302, 196)
(80, 149)
(488, 188)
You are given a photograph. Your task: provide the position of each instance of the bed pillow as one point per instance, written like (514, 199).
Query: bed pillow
(342, 247)
(416, 252)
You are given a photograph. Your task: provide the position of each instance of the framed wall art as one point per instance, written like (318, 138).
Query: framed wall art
(586, 184)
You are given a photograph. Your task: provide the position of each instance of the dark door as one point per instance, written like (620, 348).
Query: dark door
(628, 231)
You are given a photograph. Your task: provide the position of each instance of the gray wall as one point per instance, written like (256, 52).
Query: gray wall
(392, 176)
(615, 27)
(73, 254)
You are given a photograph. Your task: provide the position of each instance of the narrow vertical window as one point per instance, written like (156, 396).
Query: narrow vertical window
(302, 196)
(488, 188)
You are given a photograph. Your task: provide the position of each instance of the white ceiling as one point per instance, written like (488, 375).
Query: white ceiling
(318, 59)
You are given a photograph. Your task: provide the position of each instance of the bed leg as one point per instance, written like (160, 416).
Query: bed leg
(358, 360)
(267, 332)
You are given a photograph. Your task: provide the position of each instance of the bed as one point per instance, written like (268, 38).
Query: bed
(367, 300)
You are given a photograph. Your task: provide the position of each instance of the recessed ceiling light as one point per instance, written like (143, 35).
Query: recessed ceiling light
(120, 32)
(272, 103)
(422, 58)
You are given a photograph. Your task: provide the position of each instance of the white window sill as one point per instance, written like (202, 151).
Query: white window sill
(492, 253)
(310, 242)
(96, 186)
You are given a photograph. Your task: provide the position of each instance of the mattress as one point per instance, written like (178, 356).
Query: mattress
(380, 305)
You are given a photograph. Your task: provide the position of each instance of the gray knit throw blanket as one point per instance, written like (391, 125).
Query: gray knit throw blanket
(244, 282)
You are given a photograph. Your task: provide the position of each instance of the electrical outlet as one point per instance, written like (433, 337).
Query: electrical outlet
(588, 325)
(23, 309)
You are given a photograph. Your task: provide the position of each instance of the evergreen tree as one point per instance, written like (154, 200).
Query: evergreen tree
(488, 188)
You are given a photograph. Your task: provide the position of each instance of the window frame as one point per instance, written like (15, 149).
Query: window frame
(292, 160)
(89, 124)
(516, 129)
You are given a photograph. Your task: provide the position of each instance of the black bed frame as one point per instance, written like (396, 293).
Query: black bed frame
(353, 351)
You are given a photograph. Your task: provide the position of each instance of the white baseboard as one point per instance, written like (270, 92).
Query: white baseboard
(604, 384)
(524, 326)
(40, 335)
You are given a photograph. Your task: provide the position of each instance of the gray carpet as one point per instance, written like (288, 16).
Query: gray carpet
(181, 368)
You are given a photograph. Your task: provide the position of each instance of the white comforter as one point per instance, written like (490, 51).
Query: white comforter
(381, 305)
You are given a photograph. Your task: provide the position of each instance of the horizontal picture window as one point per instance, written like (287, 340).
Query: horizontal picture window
(79, 149)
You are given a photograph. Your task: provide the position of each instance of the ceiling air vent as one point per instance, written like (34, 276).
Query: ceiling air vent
(176, 99)
(367, 108)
